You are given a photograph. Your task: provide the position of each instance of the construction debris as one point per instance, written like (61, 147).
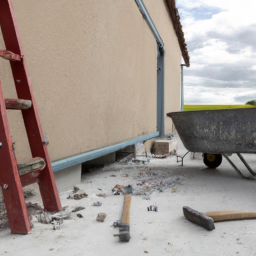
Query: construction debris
(75, 189)
(140, 160)
(118, 186)
(78, 208)
(98, 203)
(61, 215)
(118, 189)
(47, 217)
(34, 208)
(101, 217)
(79, 194)
(57, 224)
(102, 194)
(44, 218)
(4, 223)
(149, 181)
(174, 190)
(29, 193)
(153, 208)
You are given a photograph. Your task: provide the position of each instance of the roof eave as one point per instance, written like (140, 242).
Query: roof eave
(178, 30)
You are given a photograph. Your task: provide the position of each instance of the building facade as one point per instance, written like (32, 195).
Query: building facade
(96, 75)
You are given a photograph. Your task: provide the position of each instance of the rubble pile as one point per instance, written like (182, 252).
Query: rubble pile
(77, 194)
(149, 181)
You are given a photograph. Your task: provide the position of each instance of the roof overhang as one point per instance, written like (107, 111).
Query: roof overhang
(178, 29)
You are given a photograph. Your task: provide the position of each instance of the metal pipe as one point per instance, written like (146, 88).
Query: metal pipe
(81, 158)
(160, 93)
(160, 68)
(151, 24)
(235, 168)
(246, 165)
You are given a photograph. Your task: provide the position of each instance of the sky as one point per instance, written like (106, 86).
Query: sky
(221, 40)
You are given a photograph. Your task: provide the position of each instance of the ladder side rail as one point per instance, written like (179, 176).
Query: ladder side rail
(32, 123)
(9, 178)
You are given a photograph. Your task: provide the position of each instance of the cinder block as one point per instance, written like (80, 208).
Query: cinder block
(162, 147)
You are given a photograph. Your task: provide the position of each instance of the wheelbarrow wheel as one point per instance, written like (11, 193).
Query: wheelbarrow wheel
(212, 160)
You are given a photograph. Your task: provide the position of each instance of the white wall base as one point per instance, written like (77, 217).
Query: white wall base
(67, 178)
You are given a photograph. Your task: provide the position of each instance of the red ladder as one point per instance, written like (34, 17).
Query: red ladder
(11, 178)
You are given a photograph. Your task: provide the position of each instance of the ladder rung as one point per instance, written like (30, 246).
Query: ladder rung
(5, 54)
(17, 104)
(29, 178)
(34, 164)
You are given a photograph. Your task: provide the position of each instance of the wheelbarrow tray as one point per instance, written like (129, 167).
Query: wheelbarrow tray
(217, 131)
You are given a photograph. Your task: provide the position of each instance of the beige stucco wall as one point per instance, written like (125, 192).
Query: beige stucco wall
(93, 71)
(161, 18)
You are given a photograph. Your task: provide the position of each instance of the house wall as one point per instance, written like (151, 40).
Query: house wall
(93, 71)
(160, 15)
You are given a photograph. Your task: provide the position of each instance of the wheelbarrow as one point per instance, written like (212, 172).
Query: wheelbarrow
(218, 133)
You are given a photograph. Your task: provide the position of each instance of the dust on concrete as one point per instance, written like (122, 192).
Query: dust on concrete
(159, 233)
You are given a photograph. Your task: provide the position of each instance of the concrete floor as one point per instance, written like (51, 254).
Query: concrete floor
(165, 232)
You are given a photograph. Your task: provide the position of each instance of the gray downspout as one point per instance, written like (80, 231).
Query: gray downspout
(182, 90)
(160, 93)
(151, 24)
(160, 68)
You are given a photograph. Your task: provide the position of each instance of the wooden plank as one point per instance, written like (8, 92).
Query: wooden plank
(17, 104)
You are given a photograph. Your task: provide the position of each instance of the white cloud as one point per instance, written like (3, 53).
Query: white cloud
(253, 67)
(221, 40)
(224, 96)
